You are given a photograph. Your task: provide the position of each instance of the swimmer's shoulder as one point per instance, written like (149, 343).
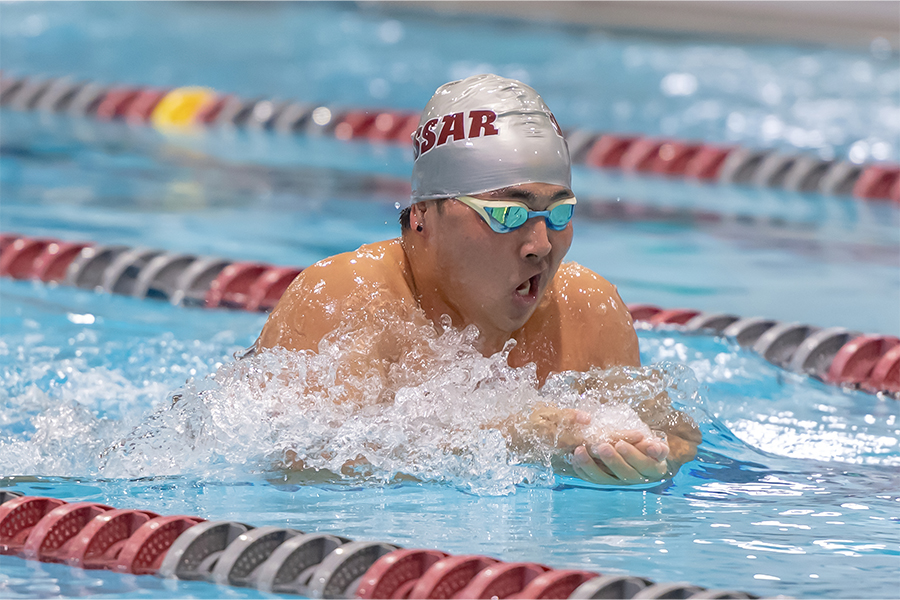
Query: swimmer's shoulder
(379, 266)
(316, 301)
(590, 307)
(583, 287)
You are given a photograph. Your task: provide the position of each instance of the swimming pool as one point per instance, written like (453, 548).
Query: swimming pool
(794, 491)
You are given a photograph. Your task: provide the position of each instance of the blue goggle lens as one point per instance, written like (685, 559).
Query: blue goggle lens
(513, 217)
(561, 215)
(509, 216)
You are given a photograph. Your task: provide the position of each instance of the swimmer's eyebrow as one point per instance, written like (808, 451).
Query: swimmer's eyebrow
(520, 194)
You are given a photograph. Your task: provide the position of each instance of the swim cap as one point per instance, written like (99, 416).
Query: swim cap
(484, 133)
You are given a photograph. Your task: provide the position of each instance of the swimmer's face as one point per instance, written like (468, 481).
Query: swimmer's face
(496, 280)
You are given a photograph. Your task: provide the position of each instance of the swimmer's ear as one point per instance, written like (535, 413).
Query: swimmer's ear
(417, 215)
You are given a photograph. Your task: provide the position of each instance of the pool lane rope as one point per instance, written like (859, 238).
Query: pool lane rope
(835, 355)
(282, 560)
(184, 108)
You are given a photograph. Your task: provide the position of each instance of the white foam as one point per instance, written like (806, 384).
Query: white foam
(433, 412)
(431, 415)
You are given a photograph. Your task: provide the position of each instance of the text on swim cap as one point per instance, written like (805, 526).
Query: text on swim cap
(481, 123)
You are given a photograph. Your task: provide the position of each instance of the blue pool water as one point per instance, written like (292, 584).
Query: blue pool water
(795, 487)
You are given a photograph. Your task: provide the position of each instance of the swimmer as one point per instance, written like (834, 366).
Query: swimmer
(482, 243)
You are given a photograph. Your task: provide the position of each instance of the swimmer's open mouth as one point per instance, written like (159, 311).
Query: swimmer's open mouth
(529, 287)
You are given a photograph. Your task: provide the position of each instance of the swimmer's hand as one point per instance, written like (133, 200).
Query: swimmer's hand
(632, 458)
(626, 458)
(620, 458)
(561, 427)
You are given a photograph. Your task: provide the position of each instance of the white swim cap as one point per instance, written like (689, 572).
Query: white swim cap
(485, 133)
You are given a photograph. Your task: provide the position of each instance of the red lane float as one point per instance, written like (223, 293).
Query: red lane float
(98, 544)
(885, 375)
(894, 194)
(19, 256)
(855, 361)
(209, 112)
(608, 150)
(664, 157)
(268, 288)
(231, 289)
(673, 316)
(643, 312)
(448, 576)
(393, 127)
(501, 580)
(141, 108)
(555, 584)
(355, 124)
(144, 550)
(674, 157)
(19, 516)
(384, 125)
(640, 155)
(394, 575)
(27, 258)
(706, 163)
(6, 239)
(875, 182)
(116, 103)
(403, 134)
(49, 540)
(51, 264)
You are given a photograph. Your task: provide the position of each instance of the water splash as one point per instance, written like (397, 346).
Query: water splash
(436, 414)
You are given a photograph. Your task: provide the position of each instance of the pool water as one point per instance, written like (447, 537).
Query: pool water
(794, 490)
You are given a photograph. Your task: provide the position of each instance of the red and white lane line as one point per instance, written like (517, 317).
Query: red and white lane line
(834, 355)
(88, 535)
(193, 107)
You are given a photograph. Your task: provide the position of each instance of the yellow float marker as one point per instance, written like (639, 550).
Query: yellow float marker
(176, 111)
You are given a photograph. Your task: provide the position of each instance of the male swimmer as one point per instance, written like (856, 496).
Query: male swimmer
(482, 243)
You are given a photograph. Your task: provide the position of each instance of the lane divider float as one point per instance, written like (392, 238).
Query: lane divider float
(281, 560)
(187, 107)
(833, 355)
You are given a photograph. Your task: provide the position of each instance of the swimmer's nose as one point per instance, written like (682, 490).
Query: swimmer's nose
(537, 241)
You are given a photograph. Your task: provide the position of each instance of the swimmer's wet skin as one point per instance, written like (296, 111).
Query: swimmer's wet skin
(482, 245)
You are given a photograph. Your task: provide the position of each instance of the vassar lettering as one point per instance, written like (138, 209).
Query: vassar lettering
(452, 125)
(482, 123)
(556, 126)
(416, 142)
(428, 137)
(453, 128)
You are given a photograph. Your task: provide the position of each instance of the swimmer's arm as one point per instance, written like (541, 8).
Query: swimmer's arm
(682, 433)
(626, 459)
(610, 340)
(634, 458)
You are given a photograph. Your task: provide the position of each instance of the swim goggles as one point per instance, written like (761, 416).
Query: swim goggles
(503, 215)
